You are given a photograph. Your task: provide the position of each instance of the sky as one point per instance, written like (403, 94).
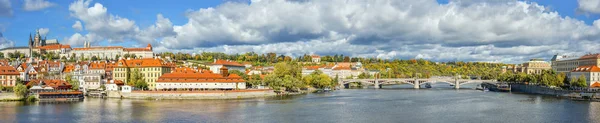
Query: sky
(508, 31)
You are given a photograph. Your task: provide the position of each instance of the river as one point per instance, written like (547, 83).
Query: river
(349, 105)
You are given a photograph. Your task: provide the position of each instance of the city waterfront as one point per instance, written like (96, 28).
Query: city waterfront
(390, 104)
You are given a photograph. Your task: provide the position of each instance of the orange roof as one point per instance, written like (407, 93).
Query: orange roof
(590, 56)
(137, 49)
(587, 68)
(97, 65)
(54, 83)
(146, 62)
(190, 75)
(595, 85)
(64, 92)
(315, 56)
(69, 68)
(54, 47)
(8, 70)
(311, 67)
(99, 48)
(4, 63)
(227, 62)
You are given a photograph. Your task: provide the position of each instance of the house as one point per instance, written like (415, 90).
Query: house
(315, 58)
(8, 76)
(215, 67)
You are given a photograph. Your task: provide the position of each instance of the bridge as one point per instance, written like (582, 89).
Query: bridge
(413, 81)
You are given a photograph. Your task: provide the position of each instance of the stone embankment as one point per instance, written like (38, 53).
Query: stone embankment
(534, 89)
(8, 96)
(233, 94)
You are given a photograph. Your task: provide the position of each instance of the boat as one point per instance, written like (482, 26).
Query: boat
(427, 85)
(504, 87)
(478, 87)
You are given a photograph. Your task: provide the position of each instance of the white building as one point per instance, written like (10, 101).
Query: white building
(316, 58)
(188, 78)
(591, 73)
(215, 67)
(111, 52)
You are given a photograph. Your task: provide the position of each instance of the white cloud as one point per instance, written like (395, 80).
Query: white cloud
(5, 8)
(163, 27)
(100, 23)
(35, 5)
(386, 27)
(4, 43)
(77, 26)
(470, 30)
(589, 6)
(79, 39)
(44, 31)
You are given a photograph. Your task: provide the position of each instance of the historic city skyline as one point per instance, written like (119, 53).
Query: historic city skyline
(465, 30)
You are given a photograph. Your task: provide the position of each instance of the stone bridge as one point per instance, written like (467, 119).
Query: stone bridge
(415, 82)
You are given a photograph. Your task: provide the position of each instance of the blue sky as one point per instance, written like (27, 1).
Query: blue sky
(440, 30)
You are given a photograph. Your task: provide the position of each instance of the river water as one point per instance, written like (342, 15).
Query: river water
(439, 104)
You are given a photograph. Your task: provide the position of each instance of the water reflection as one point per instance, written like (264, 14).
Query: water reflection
(395, 104)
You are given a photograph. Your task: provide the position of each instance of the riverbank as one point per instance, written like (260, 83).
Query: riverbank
(534, 89)
(5, 97)
(184, 95)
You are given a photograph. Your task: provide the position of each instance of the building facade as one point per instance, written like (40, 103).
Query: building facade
(150, 68)
(590, 72)
(216, 66)
(190, 79)
(8, 76)
(111, 52)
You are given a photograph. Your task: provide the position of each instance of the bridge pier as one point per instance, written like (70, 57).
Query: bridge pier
(456, 84)
(377, 84)
(416, 84)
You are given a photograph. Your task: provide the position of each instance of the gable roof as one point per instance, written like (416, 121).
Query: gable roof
(8, 70)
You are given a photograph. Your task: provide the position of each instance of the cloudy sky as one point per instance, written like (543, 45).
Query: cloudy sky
(507, 31)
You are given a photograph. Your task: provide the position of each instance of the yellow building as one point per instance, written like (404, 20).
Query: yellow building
(150, 68)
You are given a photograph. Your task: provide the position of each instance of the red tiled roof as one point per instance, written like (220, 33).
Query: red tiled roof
(311, 67)
(54, 83)
(190, 75)
(590, 56)
(587, 68)
(65, 92)
(146, 62)
(136, 49)
(595, 85)
(8, 70)
(100, 48)
(227, 62)
(68, 68)
(54, 47)
(315, 56)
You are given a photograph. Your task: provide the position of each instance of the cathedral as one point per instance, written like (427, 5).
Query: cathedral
(37, 40)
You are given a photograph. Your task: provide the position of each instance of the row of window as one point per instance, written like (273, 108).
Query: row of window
(170, 84)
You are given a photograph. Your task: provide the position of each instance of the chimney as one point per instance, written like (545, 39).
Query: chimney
(214, 60)
(224, 71)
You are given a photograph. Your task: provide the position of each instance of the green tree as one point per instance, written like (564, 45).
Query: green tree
(21, 90)
(136, 79)
(254, 80)
(582, 82)
(74, 83)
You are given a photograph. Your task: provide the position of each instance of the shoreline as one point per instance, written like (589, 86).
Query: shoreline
(192, 95)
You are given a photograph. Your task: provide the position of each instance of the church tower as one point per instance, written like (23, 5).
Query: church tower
(37, 39)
